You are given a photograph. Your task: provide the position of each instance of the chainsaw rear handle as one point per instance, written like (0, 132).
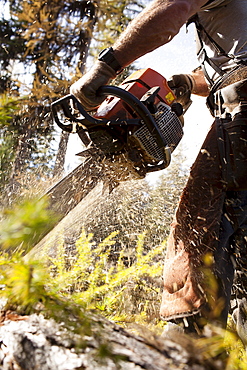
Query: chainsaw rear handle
(89, 121)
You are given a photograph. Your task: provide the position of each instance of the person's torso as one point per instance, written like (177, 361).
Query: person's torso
(226, 23)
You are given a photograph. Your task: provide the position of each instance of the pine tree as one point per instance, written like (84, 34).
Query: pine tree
(53, 39)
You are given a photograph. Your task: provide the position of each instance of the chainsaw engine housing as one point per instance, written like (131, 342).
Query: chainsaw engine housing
(162, 105)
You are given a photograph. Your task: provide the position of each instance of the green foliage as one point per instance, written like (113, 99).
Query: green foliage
(26, 290)
(91, 278)
(21, 228)
(8, 106)
(23, 282)
(26, 284)
(88, 278)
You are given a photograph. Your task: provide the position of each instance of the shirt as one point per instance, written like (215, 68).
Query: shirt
(225, 22)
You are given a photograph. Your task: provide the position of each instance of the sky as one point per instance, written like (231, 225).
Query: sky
(178, 56)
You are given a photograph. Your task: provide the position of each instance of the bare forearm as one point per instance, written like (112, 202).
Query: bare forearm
(155, 26)
(200, 86)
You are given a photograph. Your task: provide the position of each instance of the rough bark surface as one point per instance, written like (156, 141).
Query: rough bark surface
(36, 343)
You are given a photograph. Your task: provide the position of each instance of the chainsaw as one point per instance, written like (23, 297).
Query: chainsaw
(137, 127)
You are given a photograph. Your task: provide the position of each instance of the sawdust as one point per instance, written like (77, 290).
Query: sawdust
(70, 226)
(93, 198)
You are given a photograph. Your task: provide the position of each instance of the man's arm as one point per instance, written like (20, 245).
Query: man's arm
(184, 85)
(200, 85)
(156, 25)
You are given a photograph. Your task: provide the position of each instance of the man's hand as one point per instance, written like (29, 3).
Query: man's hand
(85, 89)
(182, 85)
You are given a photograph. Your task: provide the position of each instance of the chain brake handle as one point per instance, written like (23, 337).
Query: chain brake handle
(89, 121)
(64, 103)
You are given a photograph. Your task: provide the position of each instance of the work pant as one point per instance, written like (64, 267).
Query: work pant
(196, 280)
(229, 285)
(231, 253)
(229, 279)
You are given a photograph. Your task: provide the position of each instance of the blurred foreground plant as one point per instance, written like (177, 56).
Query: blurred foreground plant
(24, 224)
(67, 287)
(121, 289)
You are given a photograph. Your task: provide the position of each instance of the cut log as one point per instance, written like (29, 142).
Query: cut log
(38, 343)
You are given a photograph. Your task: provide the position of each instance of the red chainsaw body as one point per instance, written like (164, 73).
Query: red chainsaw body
(138, 83)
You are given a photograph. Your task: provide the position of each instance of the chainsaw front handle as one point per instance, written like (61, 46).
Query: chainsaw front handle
(64, 103)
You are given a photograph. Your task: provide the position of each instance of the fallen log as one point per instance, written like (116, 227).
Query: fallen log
(33, 342)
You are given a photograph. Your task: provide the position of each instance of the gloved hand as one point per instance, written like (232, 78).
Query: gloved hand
(85, 89)
(182, 86)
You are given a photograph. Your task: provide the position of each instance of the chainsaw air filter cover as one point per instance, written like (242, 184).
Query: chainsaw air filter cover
(171, 128)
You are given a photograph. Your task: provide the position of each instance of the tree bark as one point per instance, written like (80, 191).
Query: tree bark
(33, 342)
(61, 154)
(85, 41)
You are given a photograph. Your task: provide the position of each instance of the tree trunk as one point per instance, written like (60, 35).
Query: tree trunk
(23, 153)
(61, 154)
(32, 342)
(84, 50)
